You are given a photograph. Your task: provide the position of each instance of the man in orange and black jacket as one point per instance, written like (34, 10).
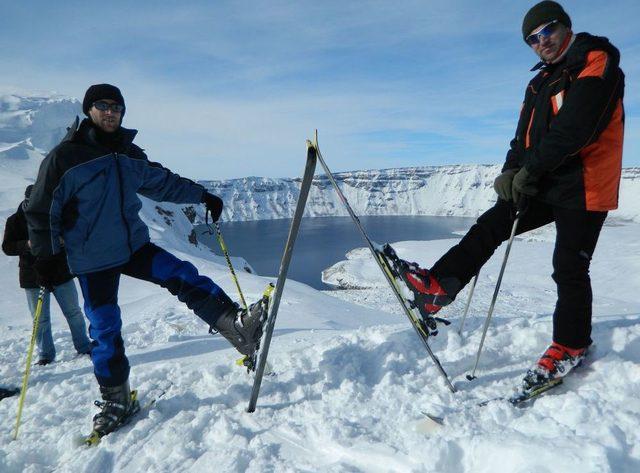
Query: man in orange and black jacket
(566, 158)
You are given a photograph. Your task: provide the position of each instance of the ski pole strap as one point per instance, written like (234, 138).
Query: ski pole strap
(223, 247)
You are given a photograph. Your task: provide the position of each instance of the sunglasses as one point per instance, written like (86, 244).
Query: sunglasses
(104, 106)
(544, 32)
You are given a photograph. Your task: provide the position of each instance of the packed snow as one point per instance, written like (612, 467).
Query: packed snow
(350, 378)
(350, 381)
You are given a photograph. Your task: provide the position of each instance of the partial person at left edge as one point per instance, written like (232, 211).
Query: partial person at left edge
(60, 283)
(87, 194)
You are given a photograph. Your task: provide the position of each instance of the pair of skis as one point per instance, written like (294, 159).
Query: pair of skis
(424, 329)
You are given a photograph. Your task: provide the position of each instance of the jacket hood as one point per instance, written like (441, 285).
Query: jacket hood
(577, 52)
(80, 131)
(584, 43)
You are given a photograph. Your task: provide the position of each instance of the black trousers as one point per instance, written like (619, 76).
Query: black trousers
(577, 233)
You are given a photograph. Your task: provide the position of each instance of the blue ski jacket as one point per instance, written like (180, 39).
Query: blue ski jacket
(86, 194)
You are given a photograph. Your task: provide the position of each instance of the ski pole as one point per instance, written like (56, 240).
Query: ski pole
(520, 211)
(27, 370)
(233, 273)
(466, 309)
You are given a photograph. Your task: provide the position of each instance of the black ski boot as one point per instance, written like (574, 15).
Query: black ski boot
(8, 392)
(242, 330)
(118, 405)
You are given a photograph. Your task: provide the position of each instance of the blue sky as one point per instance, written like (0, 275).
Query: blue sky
(222, 89)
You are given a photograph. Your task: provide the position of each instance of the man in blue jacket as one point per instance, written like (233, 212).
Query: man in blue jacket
(86, 196)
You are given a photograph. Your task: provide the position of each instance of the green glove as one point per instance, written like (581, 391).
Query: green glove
(502, 184)
(523, 183)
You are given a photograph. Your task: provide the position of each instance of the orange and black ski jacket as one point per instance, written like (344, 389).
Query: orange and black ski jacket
(571, 127)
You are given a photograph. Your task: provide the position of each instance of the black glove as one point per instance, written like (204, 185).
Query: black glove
(46, 272)
(523, 183)
(502, 184)
(214, 205)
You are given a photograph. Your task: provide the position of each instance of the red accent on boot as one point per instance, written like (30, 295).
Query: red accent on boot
(557, 352)
(425, 283)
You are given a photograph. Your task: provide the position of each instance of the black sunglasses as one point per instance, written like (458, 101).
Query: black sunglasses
(104, 106)
(546, 31)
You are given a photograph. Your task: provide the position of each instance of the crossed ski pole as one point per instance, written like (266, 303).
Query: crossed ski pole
(520, 210)
(27, 369)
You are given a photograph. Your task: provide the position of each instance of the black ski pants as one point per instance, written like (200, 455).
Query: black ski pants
(577, 233)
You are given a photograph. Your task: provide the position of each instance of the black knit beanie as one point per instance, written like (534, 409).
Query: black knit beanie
(542, 13)
(100, 92)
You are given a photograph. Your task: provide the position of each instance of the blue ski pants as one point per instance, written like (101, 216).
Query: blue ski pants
(150, 263)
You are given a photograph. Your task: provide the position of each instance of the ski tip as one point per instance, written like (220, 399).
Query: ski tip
(429, 424)
(91, 440)
(436, 419)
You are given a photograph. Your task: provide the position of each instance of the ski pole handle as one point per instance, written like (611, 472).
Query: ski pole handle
(523, 204)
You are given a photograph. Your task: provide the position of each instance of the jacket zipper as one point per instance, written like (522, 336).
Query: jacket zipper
(126, 224)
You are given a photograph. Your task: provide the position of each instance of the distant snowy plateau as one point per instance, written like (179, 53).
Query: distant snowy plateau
(350, 378)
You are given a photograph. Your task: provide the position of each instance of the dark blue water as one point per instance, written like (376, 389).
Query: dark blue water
(323, 241)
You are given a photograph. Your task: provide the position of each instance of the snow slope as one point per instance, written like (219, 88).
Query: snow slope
(350, 382)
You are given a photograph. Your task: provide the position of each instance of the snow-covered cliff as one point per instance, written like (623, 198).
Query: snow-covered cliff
(29, 127)
(462, 190)
(456, 190)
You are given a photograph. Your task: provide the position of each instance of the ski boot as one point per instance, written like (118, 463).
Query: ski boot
(428, 295)
(556, 362)
(118, 405)
(243, 330)
(8, 392)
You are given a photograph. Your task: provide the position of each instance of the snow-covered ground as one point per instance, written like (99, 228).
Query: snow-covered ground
(351, 378)
(350, 382)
